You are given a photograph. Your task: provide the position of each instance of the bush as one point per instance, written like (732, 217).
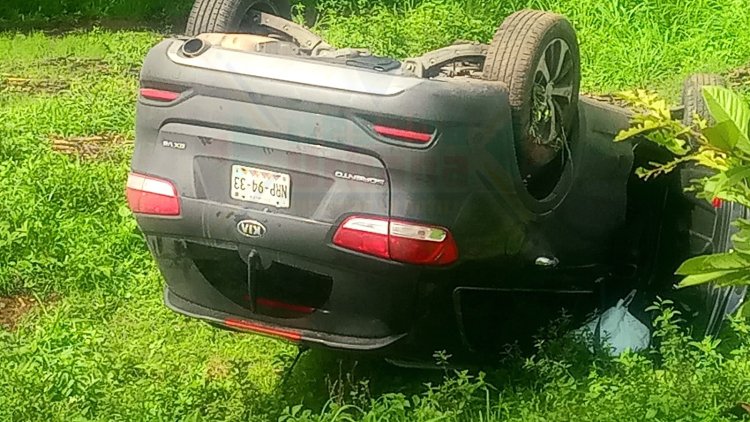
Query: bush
(723, 147)
(680, 380)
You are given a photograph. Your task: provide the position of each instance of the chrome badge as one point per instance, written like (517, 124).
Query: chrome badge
(358, 178)
(251, 228)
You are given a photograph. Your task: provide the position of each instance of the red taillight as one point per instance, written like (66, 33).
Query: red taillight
(159, 95)
(262, 329)
(366, 235)
(420, 244)
(397, 240)
(402, 134)
(147, 195)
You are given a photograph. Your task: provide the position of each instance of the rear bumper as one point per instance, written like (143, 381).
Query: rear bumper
(395, 311)
(348, 306)
(303, 337)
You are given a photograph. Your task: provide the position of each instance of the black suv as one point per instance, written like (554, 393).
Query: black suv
(336, 198)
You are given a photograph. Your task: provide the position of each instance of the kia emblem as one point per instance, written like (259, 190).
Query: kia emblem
(251, 228)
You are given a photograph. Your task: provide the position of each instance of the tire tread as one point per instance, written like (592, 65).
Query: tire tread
(512, 57)
(692, 97)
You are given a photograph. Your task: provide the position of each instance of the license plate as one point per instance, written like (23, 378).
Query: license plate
(260, 186)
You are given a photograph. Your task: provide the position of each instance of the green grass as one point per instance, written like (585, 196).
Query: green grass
(624, 43)
(52, 13)
(105, 348)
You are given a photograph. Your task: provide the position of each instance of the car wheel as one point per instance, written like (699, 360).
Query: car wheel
(723, 301)
(710, 228)
(692, 96)
(703, 215)
(231, 15)
(536, 55)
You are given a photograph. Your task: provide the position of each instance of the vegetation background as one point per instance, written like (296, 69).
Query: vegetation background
(99, 345)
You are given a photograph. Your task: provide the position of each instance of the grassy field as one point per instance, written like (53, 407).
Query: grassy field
(102, 346)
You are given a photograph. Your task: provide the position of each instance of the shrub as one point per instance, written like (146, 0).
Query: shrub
(723, 147)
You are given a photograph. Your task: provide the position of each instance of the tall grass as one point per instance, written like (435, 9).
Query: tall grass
(103, 347)
(624, 43)
(64, 226)
(23, 13)
(106, 349)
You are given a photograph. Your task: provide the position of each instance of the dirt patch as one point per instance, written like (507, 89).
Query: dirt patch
(13, 308)
(88, 66)
(77, 64)
(32, 85)
(65, 25)
(217, 368)
(607, 98)
(739, 77)
(58, 72)
(89, 147)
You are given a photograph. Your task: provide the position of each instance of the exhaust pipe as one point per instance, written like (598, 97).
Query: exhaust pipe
(194, 47)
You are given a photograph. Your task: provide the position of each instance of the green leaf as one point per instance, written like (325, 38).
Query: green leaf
(732, 178)
(124, 211)
(696, 279)
(727, 106)
(723, 269)
(705, 264)
(741, 239)
(723, 136)
(719, 278)
(638, 130)
(734, 278)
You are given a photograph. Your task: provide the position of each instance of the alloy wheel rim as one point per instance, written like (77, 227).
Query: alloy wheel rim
(552, 96)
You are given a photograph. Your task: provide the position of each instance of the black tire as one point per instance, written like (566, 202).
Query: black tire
(722, 301)
(692, 96)
(710, 229)
(231, 15)
(515, 57)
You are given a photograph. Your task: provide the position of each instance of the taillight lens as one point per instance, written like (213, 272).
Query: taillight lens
(366, 235)
(397, 240)
(148, 195)
(421, 244)
(160, 95)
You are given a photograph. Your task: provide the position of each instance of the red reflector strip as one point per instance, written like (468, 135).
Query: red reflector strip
(269, 303)
(262, 329)
(403, 134)
(159, 95)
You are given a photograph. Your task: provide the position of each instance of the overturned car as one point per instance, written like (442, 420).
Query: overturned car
(458, 200)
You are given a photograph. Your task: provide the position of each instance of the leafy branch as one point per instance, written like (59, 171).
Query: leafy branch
(723, 147)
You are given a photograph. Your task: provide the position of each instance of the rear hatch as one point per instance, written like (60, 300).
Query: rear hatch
(298, 145)
(274, 175)
(229, 150)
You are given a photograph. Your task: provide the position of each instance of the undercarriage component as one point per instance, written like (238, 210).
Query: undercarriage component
(430, 64)
(243, 42)
(231, 16)
(308, 42)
